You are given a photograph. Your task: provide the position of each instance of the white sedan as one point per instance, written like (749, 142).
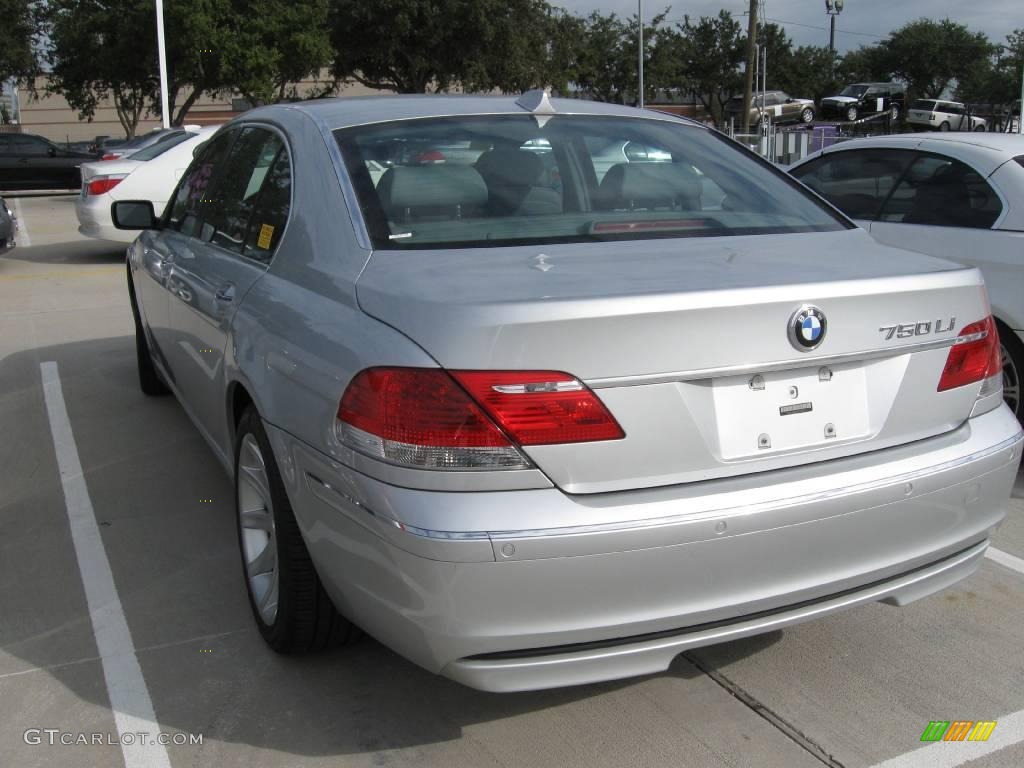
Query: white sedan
(959, 197)
(149, 174)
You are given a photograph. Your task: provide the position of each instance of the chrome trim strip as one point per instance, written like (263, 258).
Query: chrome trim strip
(777, 365)
(718, 514)
(538, 386)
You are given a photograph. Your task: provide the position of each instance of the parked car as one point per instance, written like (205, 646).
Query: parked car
(778, 106)
(158, 136)
(33, 162)
(530, 439)
(8, 227)
(956, 197)
(149, 174)
(944, 116)
(864, 99)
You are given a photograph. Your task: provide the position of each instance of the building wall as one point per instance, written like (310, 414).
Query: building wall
(52, 117)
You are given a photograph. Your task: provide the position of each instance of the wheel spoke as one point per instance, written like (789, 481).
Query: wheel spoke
(265, 561)
(268, 603)
(257, 519)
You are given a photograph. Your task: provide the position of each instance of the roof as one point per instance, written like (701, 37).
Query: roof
(344, 112)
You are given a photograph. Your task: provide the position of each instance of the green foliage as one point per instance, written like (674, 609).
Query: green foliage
(17, 36)
(708, 54)
(417, 46)
(868, 63)
(929, 55)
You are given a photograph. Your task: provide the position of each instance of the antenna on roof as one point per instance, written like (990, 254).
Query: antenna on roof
(539, 103)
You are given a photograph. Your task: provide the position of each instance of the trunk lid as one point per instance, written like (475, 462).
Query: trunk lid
(671, 334)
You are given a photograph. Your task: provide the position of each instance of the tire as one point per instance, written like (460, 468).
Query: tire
(149, 378)
(894, 113)
(979, 129)
(807, 115)
(1013, 369)
(944, 126)
(851, 114)
(291, 609)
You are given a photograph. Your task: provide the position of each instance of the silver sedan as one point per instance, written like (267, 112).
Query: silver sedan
(532, 423)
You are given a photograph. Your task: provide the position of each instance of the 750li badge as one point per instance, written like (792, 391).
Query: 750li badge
(807, 328)
(923, 328)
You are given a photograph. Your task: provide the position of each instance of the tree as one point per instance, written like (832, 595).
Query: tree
(710, 52)
(100, 50)
(264, 47)
(418, 46)
(866, 64)
(930, 55)
(196, 32)
(18, 34)
(810, 76)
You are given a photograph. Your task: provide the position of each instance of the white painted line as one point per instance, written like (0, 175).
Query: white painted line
(1005, 558)
(22, 237)
(129, 697)
(1009, 730)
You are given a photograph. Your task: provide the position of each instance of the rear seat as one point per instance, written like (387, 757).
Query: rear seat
(628, 186)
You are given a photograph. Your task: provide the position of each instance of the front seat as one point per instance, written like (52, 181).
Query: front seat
(628, 186)
(431, 193)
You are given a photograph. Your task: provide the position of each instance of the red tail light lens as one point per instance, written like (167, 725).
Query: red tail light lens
(975, 356)
(434, 419)
(110, 156)
(541, 407)
(100, 184)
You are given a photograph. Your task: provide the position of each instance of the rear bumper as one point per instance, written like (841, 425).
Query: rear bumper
(504, 609)
(94, 219)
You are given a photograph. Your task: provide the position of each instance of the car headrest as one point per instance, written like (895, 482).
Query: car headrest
(512, 167)
(431, 186)
(644, 185)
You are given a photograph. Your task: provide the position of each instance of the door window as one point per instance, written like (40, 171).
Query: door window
(238, 187)
(192, 200)
(942, 192)
(857, 182)
(29, 145)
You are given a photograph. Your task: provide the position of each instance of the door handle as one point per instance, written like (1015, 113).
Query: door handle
(225, 293)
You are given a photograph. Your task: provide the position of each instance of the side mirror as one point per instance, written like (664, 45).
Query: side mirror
(133, 214)
(790, 100)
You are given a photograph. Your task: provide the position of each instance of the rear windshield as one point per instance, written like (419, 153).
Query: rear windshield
(155, 150)
(476, 181)
(926, 105)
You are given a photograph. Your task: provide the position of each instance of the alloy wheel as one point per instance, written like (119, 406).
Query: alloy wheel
(256, 523)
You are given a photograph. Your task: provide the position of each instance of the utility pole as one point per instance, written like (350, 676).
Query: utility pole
(162, 53)
(640, 48)
(748, 87)
(1020, 112)
(833, 8)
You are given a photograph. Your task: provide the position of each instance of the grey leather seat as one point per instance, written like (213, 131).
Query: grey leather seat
(513, 178)
(629, 186)
(432, 192)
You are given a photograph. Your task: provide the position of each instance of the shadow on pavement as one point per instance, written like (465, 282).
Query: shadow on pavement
(177, 570)
(71, 252)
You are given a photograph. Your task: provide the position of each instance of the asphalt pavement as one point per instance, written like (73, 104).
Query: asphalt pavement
(853, 690)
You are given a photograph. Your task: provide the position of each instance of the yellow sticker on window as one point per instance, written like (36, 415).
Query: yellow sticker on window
(266, 233)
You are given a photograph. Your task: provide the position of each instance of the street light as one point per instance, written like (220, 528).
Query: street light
(833, 8)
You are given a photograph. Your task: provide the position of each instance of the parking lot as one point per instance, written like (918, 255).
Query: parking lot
(857, 689)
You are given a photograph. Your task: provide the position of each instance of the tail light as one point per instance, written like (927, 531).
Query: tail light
(97, 185)
(110, 156)
(974, 357)
(435, 419)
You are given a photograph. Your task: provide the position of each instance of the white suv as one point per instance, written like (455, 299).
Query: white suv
(944, 116)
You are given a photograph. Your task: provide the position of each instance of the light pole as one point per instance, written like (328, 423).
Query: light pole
(640, 48)
(162, 53)
(833, 8)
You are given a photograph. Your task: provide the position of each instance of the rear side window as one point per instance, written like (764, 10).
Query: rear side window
(939, 191)
(482, 181)
(155, 150)
(238, 186)
(271, 213)
(858, 181)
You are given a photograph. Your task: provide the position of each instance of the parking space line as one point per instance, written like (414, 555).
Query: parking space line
(126, 687)
(22, 238)
(1009, 730)
(1005, 558)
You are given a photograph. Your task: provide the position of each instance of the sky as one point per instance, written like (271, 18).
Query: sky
(807, 23)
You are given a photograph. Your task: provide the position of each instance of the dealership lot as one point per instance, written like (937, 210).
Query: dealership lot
(855, 689)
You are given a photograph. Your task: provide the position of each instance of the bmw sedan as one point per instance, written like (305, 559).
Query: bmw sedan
(959, 197)
(531, 422)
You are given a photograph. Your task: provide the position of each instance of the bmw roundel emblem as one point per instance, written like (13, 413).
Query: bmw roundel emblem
(807, 328)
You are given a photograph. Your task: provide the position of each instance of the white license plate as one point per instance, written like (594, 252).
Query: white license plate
(790, 410)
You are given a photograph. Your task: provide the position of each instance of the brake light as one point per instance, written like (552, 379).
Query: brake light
(434, 419)
(975, 356)
(110, 156)
(100, 184)
(541, 407)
